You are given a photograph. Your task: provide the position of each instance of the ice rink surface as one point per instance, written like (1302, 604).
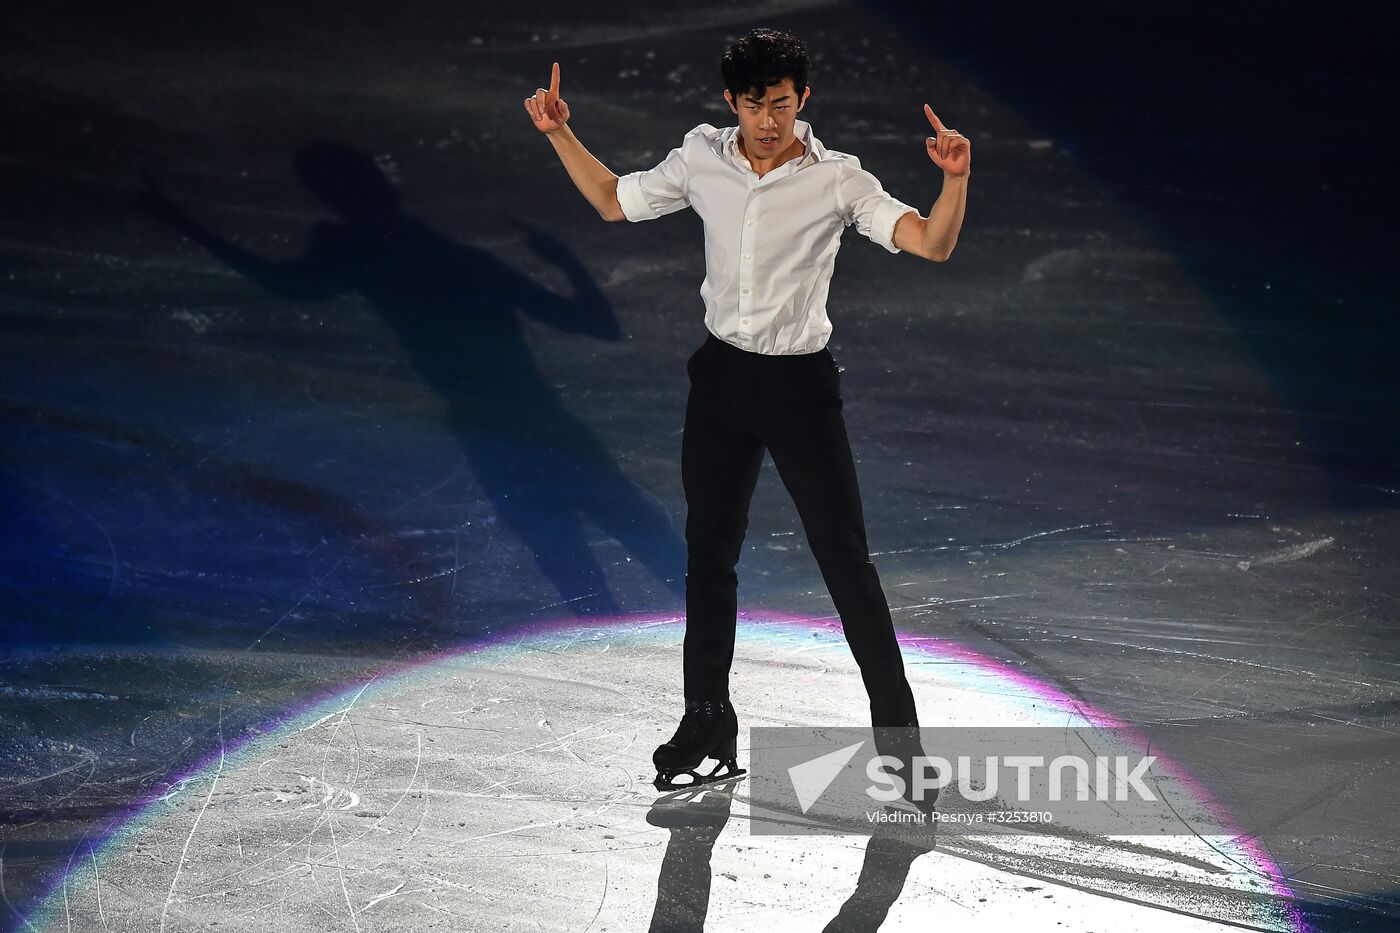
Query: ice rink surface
(324, 394)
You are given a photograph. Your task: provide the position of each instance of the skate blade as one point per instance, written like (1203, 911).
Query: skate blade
(722, 772)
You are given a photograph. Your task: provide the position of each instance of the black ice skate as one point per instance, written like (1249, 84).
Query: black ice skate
(709, 729)
(903, 743)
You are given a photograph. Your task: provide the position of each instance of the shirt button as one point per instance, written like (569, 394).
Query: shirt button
(747, 256)
(746, 291)
(748, 223)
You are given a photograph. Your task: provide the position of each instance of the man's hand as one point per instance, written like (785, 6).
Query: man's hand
(592, 178)
(547, 108)
(949, 149)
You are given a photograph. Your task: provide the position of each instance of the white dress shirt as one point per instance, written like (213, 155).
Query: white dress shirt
(770, 242)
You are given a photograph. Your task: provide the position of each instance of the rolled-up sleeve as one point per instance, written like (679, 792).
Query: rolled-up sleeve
(867, 205)
(661, 190)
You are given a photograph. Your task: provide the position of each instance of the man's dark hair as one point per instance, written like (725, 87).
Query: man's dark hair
(762, 59)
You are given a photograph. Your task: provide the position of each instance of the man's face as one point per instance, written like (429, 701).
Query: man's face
(766, 123)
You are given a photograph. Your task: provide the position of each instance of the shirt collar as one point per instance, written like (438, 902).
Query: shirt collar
(816, 152)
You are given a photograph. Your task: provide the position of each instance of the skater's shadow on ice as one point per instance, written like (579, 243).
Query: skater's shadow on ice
(695, 819)
(457, 312)
(888, 859)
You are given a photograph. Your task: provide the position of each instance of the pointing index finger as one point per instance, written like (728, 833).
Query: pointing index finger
(933, 118)
(554, 82)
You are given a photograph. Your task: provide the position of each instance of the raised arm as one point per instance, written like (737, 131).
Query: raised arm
(592, 178)
(933, 237)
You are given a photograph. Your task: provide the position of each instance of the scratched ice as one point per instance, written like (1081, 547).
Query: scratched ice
(513, 780)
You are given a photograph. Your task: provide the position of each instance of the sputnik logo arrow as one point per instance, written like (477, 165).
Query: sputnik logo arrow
(811, 778)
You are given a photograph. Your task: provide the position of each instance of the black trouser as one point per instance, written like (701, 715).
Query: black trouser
(741, 403)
